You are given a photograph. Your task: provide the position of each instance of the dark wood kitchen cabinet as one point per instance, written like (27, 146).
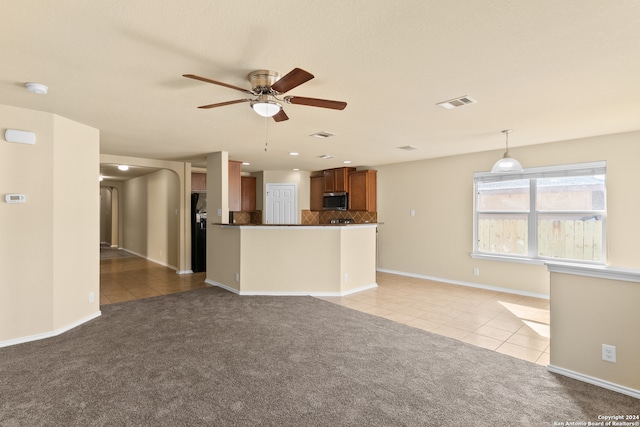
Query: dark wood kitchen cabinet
(235, 186)
(337, 180)
(198, 182)
(248, 192)
(362, 191)
(316, 189)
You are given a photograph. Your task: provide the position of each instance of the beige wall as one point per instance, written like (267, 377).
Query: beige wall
(272, 260)
(223, 257)
(76, 219)
(437, 241)
(49, 260)
(588, 312)
(357, 257)
(151, 207)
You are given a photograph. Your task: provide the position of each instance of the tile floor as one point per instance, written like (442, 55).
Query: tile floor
(126, 279)
(511, 324)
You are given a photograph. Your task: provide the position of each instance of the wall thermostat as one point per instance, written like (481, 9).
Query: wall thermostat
(15, 198)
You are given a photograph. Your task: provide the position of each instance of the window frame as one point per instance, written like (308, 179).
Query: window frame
(532, 174)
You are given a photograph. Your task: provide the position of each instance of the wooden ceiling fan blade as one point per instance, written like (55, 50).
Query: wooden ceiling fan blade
(314, 102)
(294, 78)
(222, 104)
(281, 116)
(215, 82)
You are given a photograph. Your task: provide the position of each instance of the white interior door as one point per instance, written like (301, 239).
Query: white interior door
(282, 204)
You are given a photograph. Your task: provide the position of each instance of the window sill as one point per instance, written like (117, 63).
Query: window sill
(508, 259)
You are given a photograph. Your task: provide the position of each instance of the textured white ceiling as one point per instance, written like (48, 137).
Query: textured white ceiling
(549, 70)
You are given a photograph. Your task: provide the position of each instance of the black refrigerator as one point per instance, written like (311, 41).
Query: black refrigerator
(198, 234)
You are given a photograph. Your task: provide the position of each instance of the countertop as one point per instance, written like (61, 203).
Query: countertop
(298, 225)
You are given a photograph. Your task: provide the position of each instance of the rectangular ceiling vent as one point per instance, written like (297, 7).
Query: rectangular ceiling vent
(407, 148)
(323, 134)
(457, 102)
(326, 156)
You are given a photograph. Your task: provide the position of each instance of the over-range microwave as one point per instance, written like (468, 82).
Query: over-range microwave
(335, 201)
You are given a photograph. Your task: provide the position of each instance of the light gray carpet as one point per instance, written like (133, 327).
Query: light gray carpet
(208, 357)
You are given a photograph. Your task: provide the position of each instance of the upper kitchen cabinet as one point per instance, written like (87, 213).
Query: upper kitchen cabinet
(362, 190)
(235, 186)
(337, 180)
(198, 182)
(248, 193)
(316, 189)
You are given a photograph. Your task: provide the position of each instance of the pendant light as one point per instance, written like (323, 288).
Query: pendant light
(507, 163)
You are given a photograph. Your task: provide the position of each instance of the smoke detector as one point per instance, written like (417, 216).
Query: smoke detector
(37, 88)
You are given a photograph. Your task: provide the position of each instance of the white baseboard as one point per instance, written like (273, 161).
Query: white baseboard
(162, 263)
(468, 284)
(291, 294)
(595, 381)
(53, 333)
(220, 285)
(356, 290)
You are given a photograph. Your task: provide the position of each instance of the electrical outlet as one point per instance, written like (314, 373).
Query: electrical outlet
(91, 297)
(346, 277)
(609, 353)
(476, 271)
(237, 277)
(412, 212)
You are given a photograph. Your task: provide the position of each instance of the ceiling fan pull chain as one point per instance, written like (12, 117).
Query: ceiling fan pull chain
(266, 135)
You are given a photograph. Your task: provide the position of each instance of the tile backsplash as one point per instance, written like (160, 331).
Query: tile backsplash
(311, 217)
(325, 217)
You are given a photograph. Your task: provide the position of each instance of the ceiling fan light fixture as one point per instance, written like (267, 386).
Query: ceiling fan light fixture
(507, 163)
(266, 108)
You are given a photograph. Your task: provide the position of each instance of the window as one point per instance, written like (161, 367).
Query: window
(555, 213)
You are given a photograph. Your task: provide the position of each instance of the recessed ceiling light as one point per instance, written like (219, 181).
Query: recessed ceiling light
(407, 148)
(323, 134)
(37, 88)
(245, 163)
(293, 153)
(296, 169)
(456, 102)
(346, 162)
(123, 167)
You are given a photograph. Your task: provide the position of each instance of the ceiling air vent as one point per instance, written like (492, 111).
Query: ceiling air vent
(407, 148)
(326, 156)
(323, 134)
(457, 102)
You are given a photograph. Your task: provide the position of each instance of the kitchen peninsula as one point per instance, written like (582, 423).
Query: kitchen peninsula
(320, 260)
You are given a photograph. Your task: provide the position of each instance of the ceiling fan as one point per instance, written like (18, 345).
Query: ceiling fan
(266, 87)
